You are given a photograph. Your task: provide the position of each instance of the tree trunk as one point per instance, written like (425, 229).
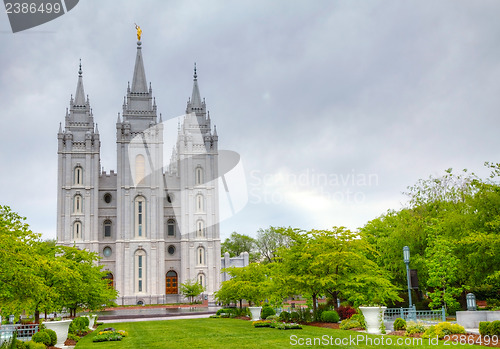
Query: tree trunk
(314, 295)
(37, 316)
(241, 304)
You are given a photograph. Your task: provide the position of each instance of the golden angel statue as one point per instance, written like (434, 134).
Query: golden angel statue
(139, 32)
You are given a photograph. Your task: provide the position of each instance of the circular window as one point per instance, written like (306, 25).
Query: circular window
(107, 198)
(171, 249)
(107, 251)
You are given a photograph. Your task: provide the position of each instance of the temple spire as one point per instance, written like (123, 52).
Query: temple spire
(139, 84)
(195, 97)
(80, 93)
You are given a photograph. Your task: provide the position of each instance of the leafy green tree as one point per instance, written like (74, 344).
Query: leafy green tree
(251, 283)
(191, 289)
(239, 243)
(269, 240)
(443, 273)
(334, 262)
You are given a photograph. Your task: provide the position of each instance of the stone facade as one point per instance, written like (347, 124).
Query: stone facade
(155, 225)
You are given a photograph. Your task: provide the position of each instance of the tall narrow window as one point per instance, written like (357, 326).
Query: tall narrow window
(171, 227)
(78, 176)
(198, 176)
(140, 271)
(200, 229)
(201, 256)
(77, 204)
(107, 229)
(140, 216)
(77, 231)
(201, 279)
(199, 203)
(139, 168)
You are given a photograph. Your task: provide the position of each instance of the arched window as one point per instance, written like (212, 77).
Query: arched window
(140, 271)
(198, 176)
(77, 204)
(200, 229)
(110, 278)
(77, 231)
(139, 168)
(107, 228)
(78, 176)
(171, 283)
(171, 227)
(199, 203)
(140, 216)
(201, 279)
(200, 256)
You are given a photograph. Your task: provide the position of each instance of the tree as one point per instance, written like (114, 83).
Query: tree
(191, 289)
(251, 283)
(268, 241)
(40, 276)
(333, 262)
(239, 243)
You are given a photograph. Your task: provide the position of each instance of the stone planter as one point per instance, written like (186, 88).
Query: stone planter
(92, 318)
(372, 318)
(61, 329)
(255, 312)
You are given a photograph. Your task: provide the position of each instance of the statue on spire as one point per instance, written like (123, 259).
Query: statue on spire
(139, 32)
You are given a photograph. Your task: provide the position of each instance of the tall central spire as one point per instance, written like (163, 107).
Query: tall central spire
(80, 93)
(139, 84)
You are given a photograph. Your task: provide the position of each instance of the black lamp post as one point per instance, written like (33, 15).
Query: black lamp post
(406, 258)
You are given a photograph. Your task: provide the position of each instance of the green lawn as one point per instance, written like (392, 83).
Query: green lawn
(231, 333)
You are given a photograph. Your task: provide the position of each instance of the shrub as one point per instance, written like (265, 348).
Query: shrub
(345, 312)
(320, 309)
(41, 337)
(73, 337)
(35, 345)
(304, 315)
(494, 328)
(267, 311)
(284, 316)
(272, 317)
(294, 316)
(399, 324)
(21, 345)
(347, 324)
(330, 316)
(413, 327)
(226, 311)
(443, 329)
(79, 325)
(53, 336)
(484, 328)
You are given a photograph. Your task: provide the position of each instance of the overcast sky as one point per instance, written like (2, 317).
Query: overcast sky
(334, 106)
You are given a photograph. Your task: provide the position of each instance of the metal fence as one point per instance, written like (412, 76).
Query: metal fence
(24, 332)
(412, 314)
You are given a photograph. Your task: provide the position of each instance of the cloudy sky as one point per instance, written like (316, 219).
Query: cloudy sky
(334, 106)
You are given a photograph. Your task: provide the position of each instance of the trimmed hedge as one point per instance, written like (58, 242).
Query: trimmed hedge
(330, 316)
(399, 324)
(489, 328)
(41, 337)
(267, 311)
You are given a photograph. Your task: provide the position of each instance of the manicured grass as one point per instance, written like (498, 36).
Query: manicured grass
(231, 333)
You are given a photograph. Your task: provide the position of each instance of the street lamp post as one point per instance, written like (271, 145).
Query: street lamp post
(406, 257)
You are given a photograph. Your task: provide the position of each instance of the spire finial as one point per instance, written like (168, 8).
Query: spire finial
(80, 70)
(195, 75)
